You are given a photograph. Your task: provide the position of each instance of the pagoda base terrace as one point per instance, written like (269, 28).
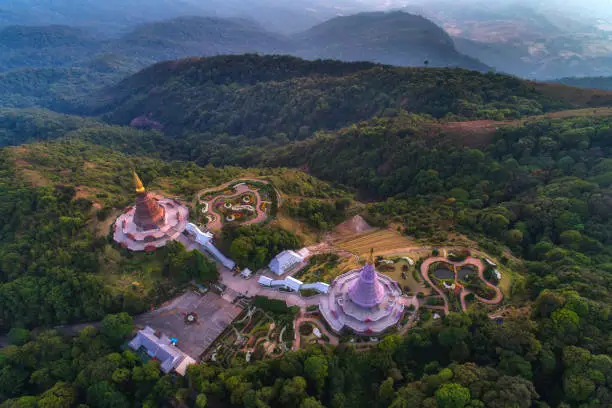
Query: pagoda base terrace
(339, 311)
(130, 236)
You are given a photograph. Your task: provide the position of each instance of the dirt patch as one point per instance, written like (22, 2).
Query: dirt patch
(88, 193)
(354, 225)
(102, 228)
(89, 165)
(382, 241)
(476, 133)
(35, 178)
(479, 133)
(20, 163)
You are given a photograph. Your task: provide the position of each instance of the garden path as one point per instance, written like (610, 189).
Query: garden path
(464, 292)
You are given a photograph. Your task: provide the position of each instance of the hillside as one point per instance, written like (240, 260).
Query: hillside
(257, 96)
(45, 46)
(102, 16)
(394, 38)
(199, 36)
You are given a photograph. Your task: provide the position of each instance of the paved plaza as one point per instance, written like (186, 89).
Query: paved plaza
(214, 315)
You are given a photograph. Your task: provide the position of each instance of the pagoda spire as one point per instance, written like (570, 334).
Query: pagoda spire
(137, 183)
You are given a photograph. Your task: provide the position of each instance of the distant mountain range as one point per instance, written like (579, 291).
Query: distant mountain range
(60, 57)
(393, 38)
(286, 16)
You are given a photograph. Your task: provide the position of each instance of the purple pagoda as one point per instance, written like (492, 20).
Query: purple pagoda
(367, 291)
(363, 300)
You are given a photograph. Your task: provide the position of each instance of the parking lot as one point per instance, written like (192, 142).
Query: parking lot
(214, 315)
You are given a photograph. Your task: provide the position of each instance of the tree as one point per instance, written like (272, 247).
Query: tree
(452, 395)
(116, 327)
(316, 369)
(386, 391)
(18, 336)
(311, 402)
(201, 401)
(62, 395)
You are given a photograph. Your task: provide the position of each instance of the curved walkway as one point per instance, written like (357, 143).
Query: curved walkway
(223, 186)
(464, 292)
(498, 293)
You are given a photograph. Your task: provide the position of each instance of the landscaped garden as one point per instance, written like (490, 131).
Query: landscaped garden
(265, 330)
(405, 274)
(242, 202)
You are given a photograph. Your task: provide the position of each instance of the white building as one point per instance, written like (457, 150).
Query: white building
(318, 286)
(246, 273)
(265, 281)
(285, 261)
(161, 348)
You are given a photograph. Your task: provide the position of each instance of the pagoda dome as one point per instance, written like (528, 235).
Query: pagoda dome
(367, 291)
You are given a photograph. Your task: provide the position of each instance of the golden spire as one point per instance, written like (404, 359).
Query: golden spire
(371, 257)
(137, 183)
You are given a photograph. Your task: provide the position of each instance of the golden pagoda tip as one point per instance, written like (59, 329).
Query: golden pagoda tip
(137, 183)
(371, 258)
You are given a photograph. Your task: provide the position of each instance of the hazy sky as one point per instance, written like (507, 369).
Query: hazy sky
(592, 5)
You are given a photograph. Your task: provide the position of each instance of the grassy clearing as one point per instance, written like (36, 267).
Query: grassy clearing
(307, 235)
(325, 268)
(410, 282)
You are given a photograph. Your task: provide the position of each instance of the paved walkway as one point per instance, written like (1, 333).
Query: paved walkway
(464, 292)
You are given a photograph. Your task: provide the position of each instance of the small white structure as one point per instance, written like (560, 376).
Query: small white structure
(316, 332)
(497, 274)
(436, 316)
(447, 286)
(265, 281)
(244, 207)
(490, 262)
(293, 284)
(285, 261)
(246, 273)
(409, 260)
(288, 283)
(304, 252)
(387, 262)
(162, 349)
(318, 286)
(205, 239)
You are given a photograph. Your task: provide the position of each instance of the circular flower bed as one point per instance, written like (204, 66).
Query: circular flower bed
(306, 329)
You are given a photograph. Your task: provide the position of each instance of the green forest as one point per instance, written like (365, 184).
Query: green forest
(535, 192)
